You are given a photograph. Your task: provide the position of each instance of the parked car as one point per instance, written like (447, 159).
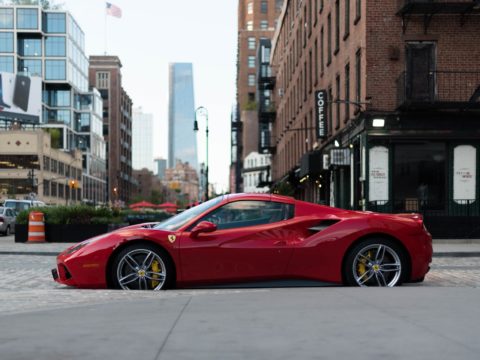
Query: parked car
(19, 205)
(7, 220)
(253, 237)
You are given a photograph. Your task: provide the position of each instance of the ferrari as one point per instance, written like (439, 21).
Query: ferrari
(242, 238)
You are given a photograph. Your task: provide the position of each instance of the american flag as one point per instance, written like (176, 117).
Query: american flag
(113, 10)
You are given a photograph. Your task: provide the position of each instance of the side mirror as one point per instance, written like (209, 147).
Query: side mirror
(203, 227)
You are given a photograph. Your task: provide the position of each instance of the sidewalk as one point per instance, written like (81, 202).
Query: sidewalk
(441, 247)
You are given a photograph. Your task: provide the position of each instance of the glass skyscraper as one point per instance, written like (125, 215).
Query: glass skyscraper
(48, 43)
(182, 141)
(142, 140)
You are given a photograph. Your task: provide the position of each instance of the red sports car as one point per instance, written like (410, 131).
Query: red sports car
(253, 237)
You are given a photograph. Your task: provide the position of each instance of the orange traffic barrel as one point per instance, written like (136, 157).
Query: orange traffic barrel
(36, 227)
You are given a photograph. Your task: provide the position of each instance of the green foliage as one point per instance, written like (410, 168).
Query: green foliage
(77, 214)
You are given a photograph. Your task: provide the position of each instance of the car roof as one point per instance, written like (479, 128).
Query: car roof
(259, 197)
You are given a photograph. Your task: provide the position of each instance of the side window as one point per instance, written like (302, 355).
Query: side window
(249, 213)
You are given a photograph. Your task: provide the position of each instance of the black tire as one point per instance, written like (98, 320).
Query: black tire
(7, 231)
(140, 277)
(365, 265)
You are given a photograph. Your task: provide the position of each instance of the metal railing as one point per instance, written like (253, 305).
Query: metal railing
(452, 207)
(448, 87)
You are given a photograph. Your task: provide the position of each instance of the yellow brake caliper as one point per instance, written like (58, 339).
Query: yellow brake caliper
(155, 269)
(361, 268)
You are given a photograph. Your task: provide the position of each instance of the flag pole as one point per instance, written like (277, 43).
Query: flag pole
(105, 32)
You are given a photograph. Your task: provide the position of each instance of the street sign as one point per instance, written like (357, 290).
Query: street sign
(321, 113)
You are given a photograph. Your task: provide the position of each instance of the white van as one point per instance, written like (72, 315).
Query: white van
(19, 205)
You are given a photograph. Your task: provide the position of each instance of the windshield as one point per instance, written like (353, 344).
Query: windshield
(179, 220)
(17, 205)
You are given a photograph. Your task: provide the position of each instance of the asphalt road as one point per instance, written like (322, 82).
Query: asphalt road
(438, 319)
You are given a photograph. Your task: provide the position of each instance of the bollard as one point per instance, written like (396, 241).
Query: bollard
(36, 227)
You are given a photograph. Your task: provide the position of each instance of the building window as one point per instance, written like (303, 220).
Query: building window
(6, 18)
(250, 8)
(263, 24)
(6, 42)
(103, 80)
(55, 70)
(46, 163)
(251, 43)
(30, 67)
(30, 47)
(278, 4)
(54, 23)
(347, 92)
(264, 7)
(358, 76)
(249, 25)
(27, 19)
(61, 191)
(6, 64)
(337, 26)
(305, 81)
(55, 46)
(347, 19)
(330, 110)
(251, 62)
(322, 50)
(329, 39)
(310, 71)
(358, 10)
(251, 80)
(315, 56)
(337, 102)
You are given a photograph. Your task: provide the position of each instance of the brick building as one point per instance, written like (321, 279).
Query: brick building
(105, 75)
(398, 86)
(257, 20)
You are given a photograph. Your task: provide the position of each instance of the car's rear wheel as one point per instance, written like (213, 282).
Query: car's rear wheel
(375, 262)
(142, 267)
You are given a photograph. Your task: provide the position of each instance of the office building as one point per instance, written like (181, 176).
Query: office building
(105, 75)
(142, 140)
(47, 47)
(30, 168)
(161, 165)
(182, 141)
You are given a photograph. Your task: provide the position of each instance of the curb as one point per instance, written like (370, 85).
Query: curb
(32, 253)
(457, 254)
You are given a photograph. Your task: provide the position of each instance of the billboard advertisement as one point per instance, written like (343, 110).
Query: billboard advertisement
(20, 97)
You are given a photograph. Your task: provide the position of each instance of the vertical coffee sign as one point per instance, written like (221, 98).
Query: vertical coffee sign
(321, 105)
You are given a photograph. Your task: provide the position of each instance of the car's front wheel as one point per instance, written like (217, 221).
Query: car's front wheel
(142, 267)
(375, 262)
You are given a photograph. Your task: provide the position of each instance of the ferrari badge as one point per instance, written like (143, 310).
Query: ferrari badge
(172, 238)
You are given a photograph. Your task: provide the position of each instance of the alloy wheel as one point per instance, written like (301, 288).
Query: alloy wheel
(377, 265)
(141, 269)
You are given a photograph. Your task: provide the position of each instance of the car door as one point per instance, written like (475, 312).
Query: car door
(251, 243)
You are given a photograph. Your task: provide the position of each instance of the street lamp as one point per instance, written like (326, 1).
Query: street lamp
(203, 111)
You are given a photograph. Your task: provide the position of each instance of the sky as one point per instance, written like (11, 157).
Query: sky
(153, 33)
